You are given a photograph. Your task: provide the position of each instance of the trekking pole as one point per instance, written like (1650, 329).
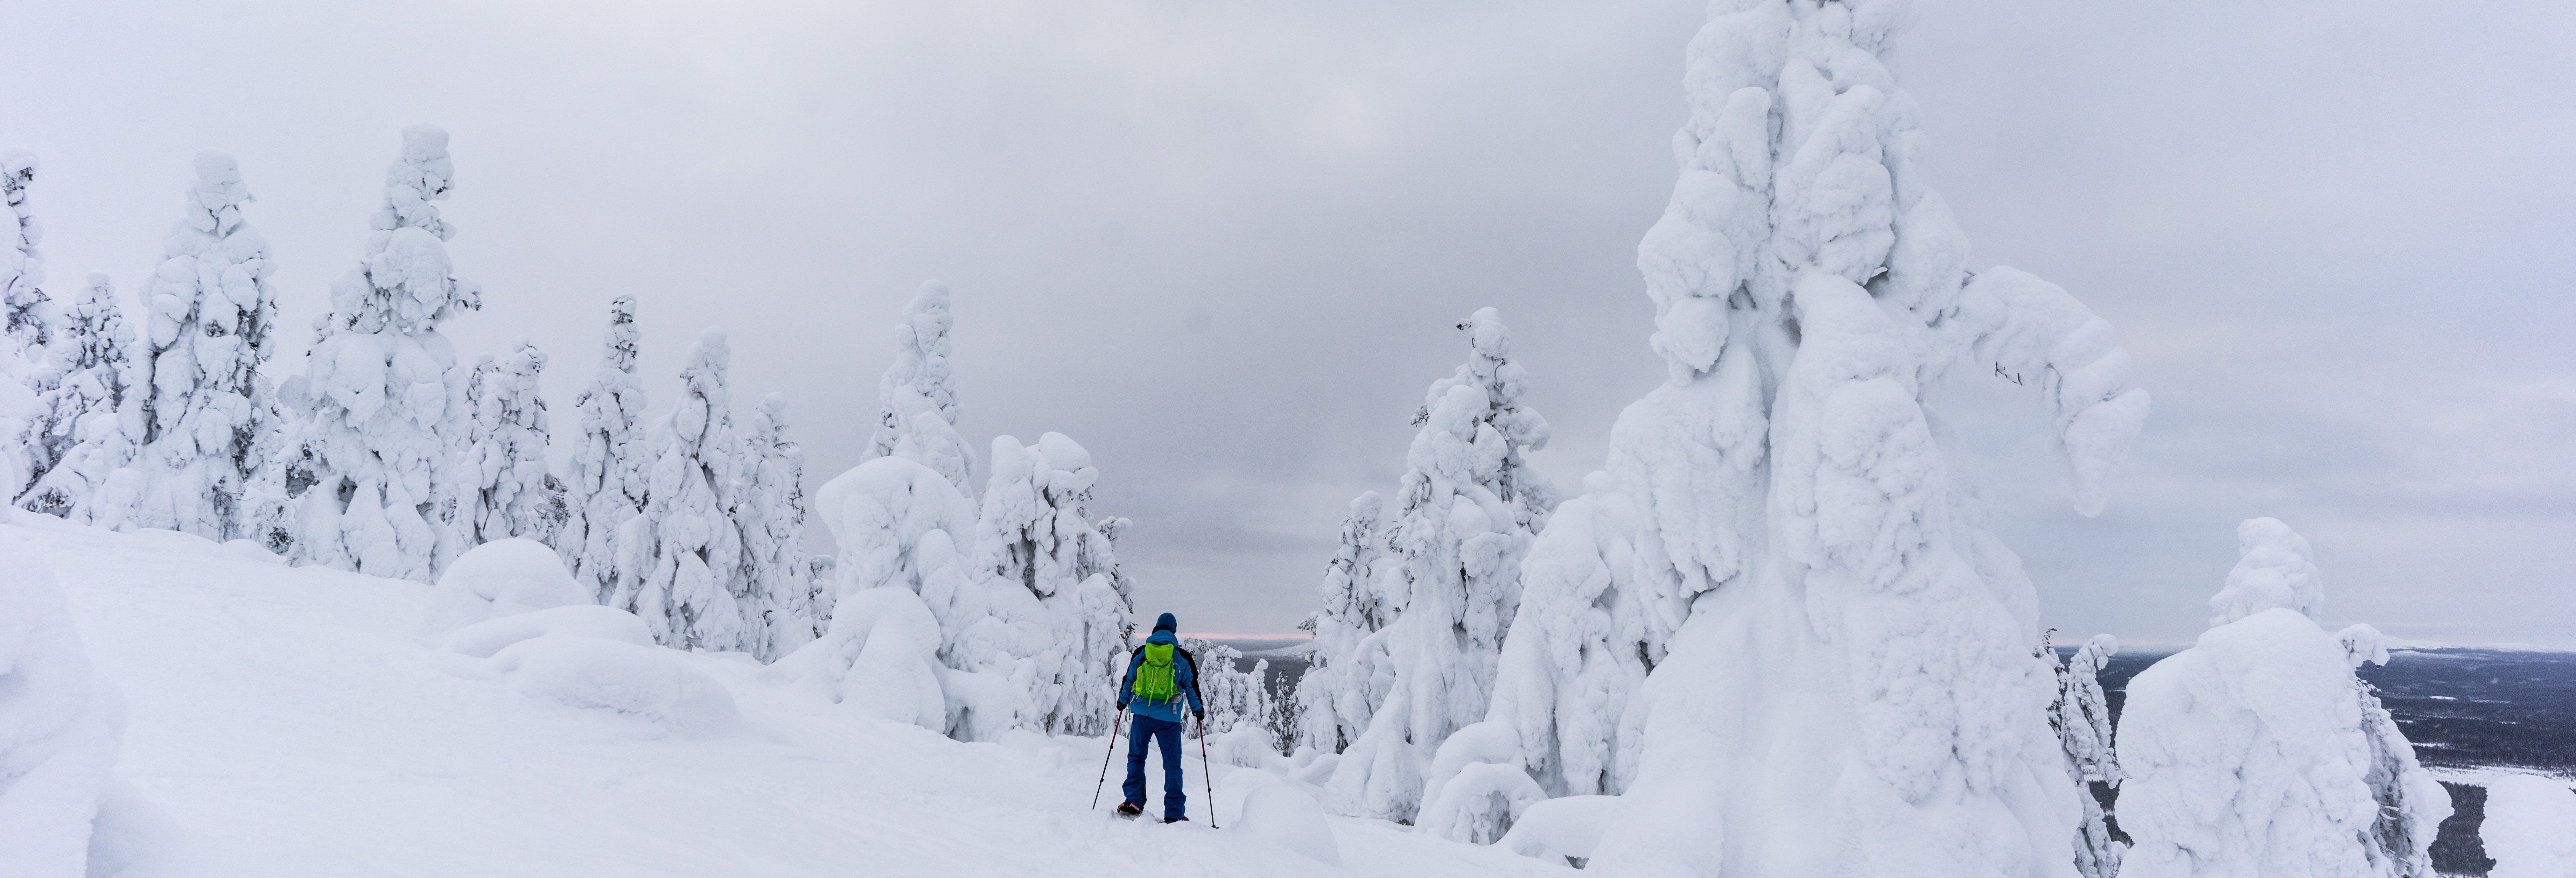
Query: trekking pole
(1204, 775)
(1104, 758)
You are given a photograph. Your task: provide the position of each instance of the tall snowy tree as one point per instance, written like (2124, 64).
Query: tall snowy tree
(1037, 533)
(1805, 619)
(386, 393)
(680, 562)
(606, 486)
(2259, 752)
(211, 311)
(917, 414)
(769, 508)
(1343, 686)
(1466, 510)
(84, 426)
(2082, 717)
(22, 267)
(507, 491)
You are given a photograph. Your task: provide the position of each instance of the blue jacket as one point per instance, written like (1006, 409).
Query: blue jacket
(1185, 673)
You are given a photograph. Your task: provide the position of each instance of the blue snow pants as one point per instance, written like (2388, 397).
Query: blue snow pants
(1166, 735)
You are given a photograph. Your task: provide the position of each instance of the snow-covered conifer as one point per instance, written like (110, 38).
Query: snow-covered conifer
(2082, 718)
(1036, 533)
(22, 266)
(680, 562)
(1465, 512)
(80, 430)
(383, 441)
(211, 313)
(1828, 632)
(606, 485)
(769, 508)
(917, 414)
(1343, 686)
(2259, 752)
(507, 491)
(1234, 698)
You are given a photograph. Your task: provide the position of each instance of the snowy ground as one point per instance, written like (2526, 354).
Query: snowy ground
(295, 722)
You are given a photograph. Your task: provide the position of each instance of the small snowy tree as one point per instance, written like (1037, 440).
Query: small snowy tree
(22, 267)
(508, 492)
(680, 562)
(606, 485)
(79, 432)
(1234, 698)
(1036, 535)
(211, 312)
(383, 441)
(1342, 686)
(769, 507)
(2259, 752)
(917, 414)
(1467, 506)
(2082, 718)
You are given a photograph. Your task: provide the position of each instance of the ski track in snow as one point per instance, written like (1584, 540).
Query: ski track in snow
(294, 721)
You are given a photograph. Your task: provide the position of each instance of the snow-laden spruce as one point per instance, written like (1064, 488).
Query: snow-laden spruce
(1235, 699)
(1037, 534)
(210, 312)
(898, 526)
(680, 561)
(1787, 610)
(2082, 718)
(1465, 512)
(1343, 686)
(917, 398)
(605, 488)
(2258, 752)
(58, 726)
(388, 399)
(87, 422)
(769, 508)
(22, 266)
(507, 491)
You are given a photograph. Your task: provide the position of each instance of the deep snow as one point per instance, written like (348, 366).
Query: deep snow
(296, 721)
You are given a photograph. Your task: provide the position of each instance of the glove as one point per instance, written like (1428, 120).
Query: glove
(1200, 715)
(1122, 704)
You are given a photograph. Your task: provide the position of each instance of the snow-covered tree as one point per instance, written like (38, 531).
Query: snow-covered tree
(769, 508)
(680, 562)
(2082, 718)
(1037, 534)
(2259, 752)
(84, 426)
(382, 444)
(1234, 698)
(1465, 512)
(917, 414)
(507, 491)
(605, 488)
(1802, 613)
(22, 267)
(203, 400)
(1342, 685)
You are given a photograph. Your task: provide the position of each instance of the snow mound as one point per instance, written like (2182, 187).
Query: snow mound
(881, 659)
(1564, 827)
(59, 729)
(1477, 788)
(489, 637)
(503, 578)
(252, 550)
(650, 682)
(1287, 814)
(2530, 827)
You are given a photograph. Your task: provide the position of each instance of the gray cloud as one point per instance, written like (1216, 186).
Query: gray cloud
(1223, 244)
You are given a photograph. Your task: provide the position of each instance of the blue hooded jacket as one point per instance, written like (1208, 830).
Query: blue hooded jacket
(1185, 674)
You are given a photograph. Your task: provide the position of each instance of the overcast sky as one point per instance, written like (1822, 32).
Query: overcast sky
(1223, 244)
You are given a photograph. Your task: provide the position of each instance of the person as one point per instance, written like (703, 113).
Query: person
(1159, 675)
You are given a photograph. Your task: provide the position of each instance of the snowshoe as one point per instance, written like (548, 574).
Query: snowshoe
(1176, 820)
(1129, 810)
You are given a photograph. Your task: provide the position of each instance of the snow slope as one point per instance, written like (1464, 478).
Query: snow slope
(296, 721)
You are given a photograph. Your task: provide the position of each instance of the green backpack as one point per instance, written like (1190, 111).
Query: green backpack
(1155, 680)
